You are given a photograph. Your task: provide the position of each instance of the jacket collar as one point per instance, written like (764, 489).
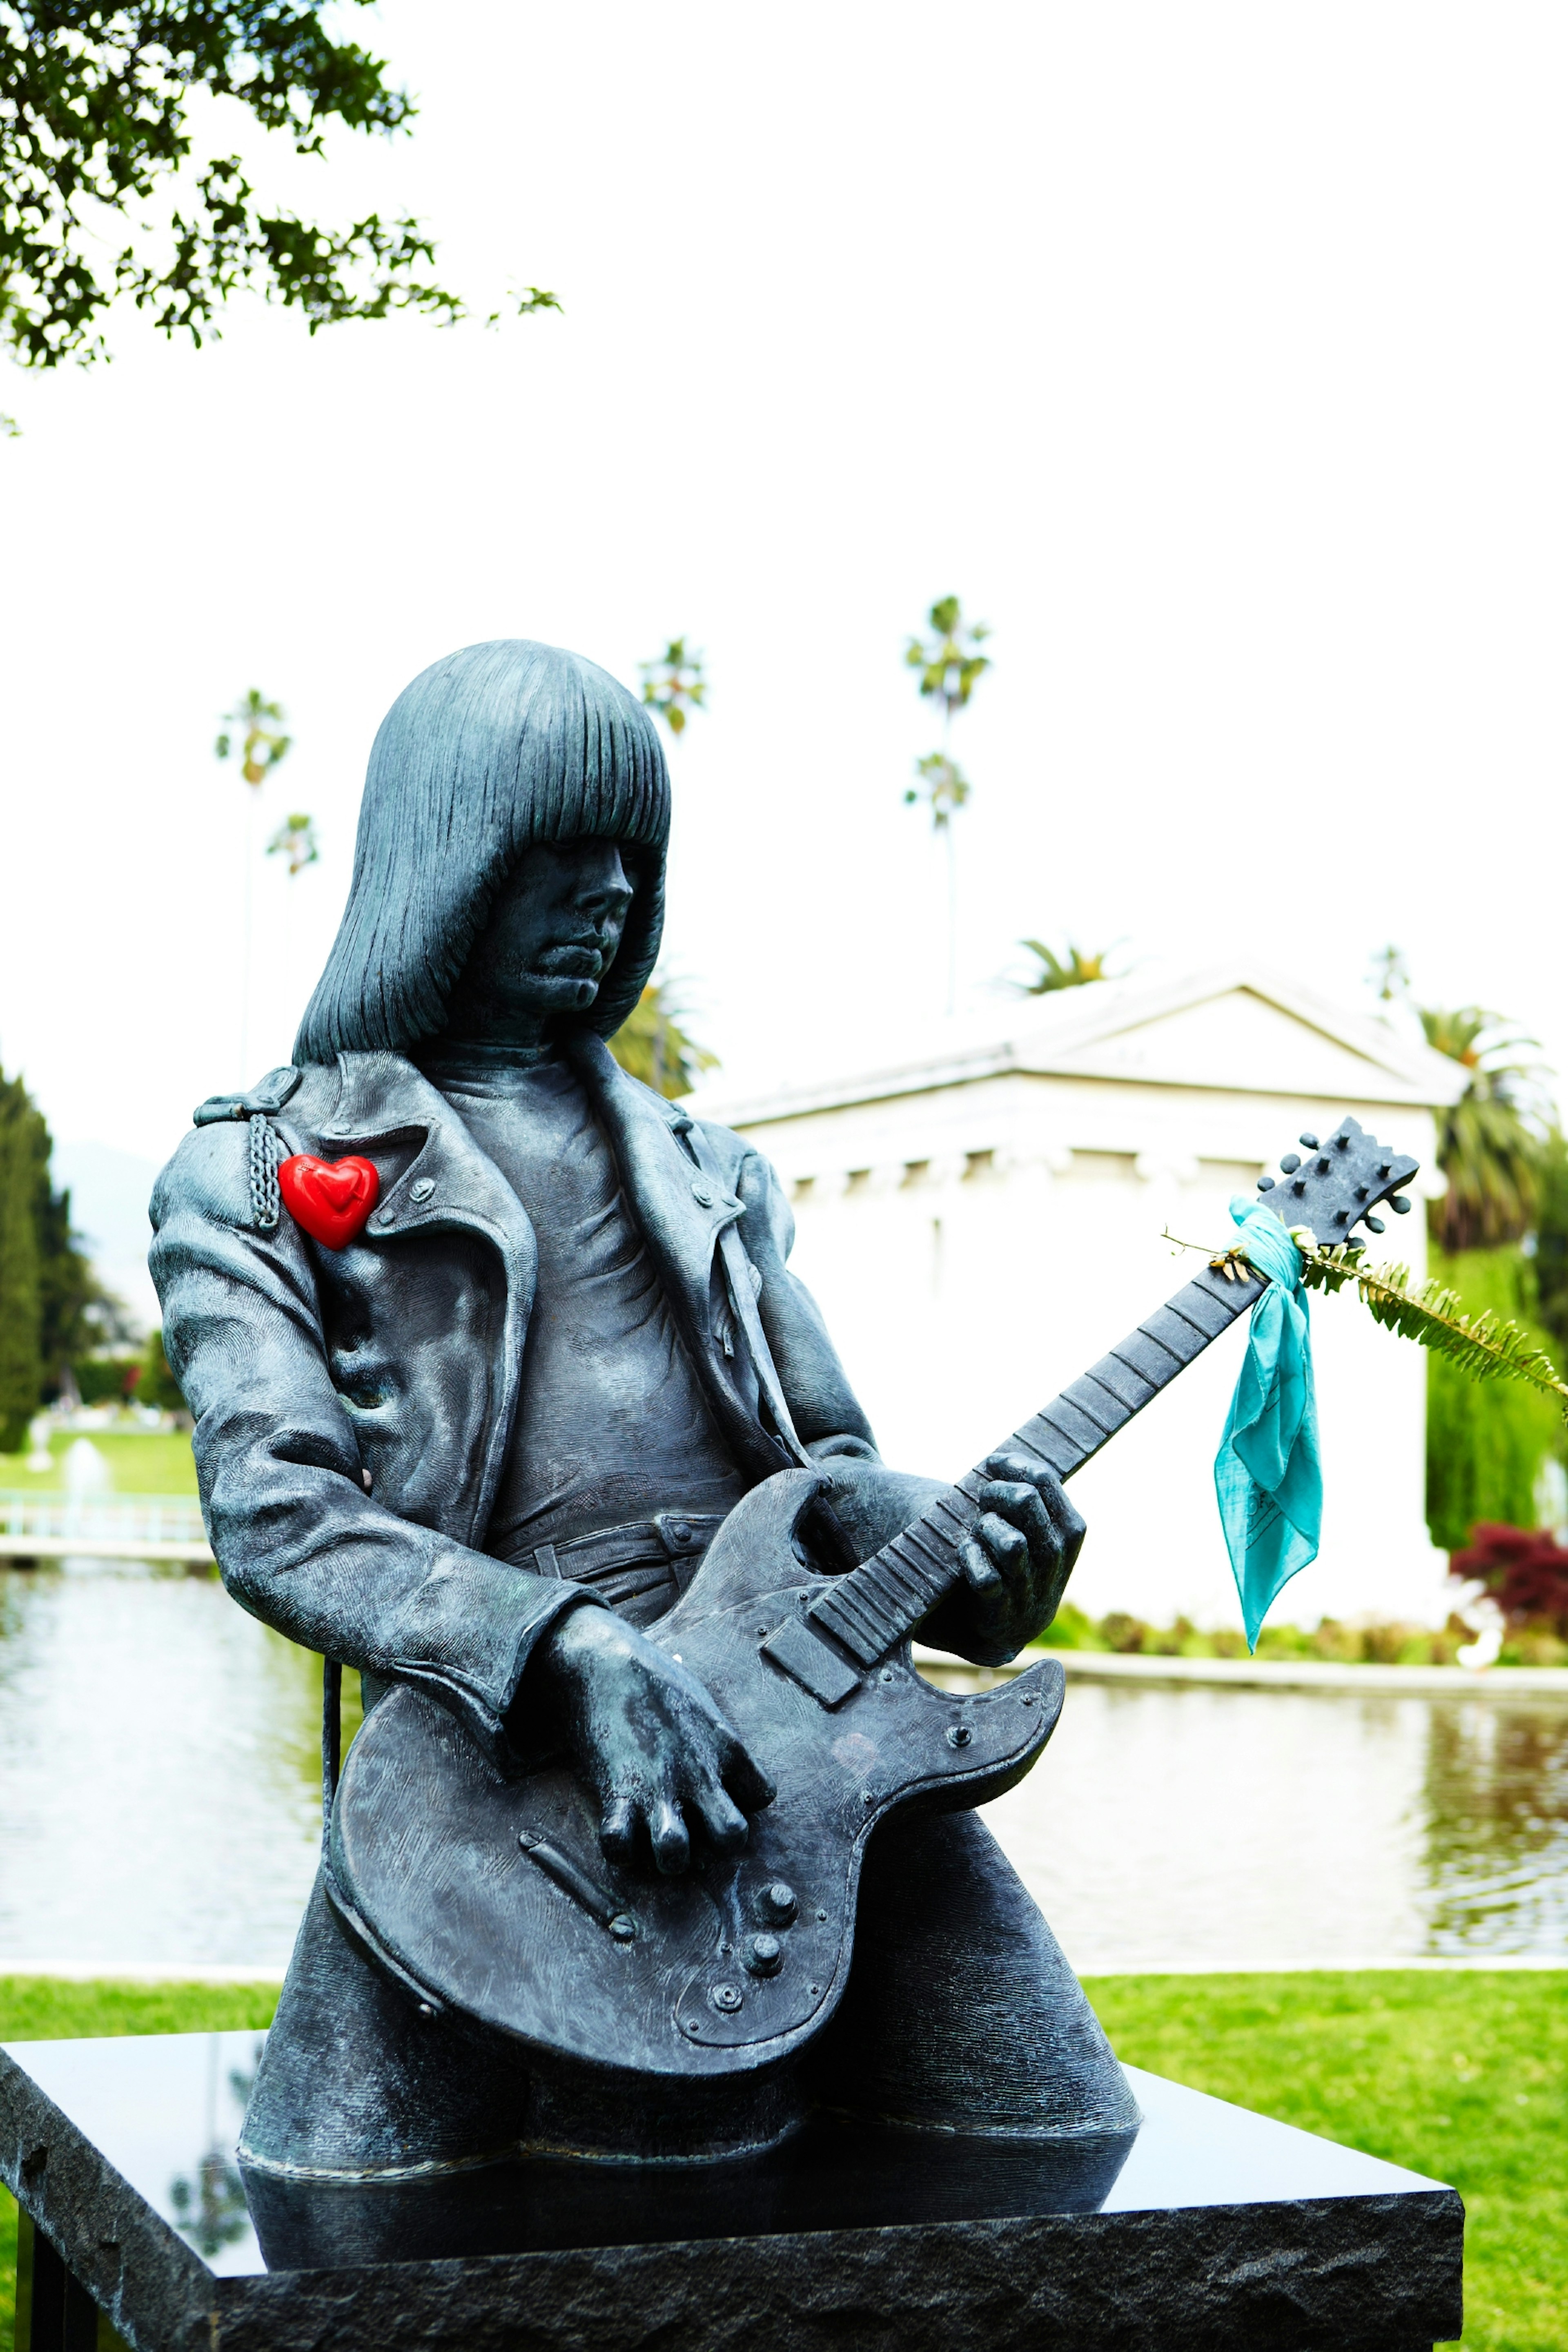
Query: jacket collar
(436, 1173)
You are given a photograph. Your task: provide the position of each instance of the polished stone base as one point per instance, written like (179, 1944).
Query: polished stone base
(1216, 2229)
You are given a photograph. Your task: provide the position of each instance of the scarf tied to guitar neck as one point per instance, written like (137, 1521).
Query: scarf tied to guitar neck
(1267, 1473)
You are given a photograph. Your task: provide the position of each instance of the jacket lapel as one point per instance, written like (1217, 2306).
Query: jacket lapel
(435, 1176)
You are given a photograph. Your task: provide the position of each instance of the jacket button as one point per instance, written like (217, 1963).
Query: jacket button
(703, 1194)
(423, 1189)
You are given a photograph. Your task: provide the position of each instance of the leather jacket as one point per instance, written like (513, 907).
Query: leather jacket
(354, 1407)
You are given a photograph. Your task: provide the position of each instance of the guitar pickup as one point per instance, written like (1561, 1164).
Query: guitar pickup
(808, 1660)
(573, 1881)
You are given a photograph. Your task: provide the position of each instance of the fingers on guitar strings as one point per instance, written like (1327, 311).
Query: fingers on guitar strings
(979, 1572)
(1066, 1524)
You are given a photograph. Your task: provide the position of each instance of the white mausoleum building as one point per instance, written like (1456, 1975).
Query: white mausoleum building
(982, 1222)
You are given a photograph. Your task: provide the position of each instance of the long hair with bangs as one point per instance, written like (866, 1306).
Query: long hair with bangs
(495, 748)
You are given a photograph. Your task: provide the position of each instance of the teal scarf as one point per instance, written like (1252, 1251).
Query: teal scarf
(1267, 1473)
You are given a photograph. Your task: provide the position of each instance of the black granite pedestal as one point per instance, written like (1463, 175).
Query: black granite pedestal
(1217, 2230)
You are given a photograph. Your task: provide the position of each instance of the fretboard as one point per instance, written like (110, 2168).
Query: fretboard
(878, 1603)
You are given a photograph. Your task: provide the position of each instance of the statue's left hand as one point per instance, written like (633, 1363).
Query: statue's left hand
(1017, 1561)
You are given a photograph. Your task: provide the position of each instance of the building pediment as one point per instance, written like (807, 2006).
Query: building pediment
(1238, 1029)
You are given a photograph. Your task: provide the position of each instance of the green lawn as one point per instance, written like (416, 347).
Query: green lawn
(141, 1461)
(1464, 2077)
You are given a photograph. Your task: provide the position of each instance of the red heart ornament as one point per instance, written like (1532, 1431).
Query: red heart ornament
(330, 1198)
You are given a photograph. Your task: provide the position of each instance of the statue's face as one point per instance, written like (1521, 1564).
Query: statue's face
(552, 936)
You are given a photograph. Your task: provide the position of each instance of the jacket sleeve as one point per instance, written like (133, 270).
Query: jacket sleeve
(299, 1541)
(827, 1415)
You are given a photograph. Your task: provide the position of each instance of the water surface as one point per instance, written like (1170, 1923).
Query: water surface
(159, 1802)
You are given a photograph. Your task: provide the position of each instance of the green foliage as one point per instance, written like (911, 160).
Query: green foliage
(105, 1380)
(943, 786)
(950, 662)
(21, 1329)
(1484, 1445)
(653, 1046)
(674, 684)
(1075, 969)
(295, 839)
(1551, 1240)
(263, 745)
(157, 1385)
(1463, 2077)
(1385, 1644)
(93, 125)
(1487, 1146)
(1485, 1344)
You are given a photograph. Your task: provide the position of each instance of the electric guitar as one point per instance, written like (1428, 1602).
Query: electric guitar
(491, 1895)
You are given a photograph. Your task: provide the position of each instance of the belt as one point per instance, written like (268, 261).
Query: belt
(669, 1543)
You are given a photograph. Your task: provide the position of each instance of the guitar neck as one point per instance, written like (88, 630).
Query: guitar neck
(876, 1604)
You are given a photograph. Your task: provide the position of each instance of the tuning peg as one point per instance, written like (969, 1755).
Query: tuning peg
(1341, 1142)
(1362, 1191)
(1265, 1183)
(1298, 1185)
(1385, 1167)
(1289, 1165)
(1373, 1224)
(1309, 1140)
(1399, 1205)
(1323, 1165)
(1341, 1216)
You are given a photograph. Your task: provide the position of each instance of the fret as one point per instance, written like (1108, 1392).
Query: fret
(876, 1605)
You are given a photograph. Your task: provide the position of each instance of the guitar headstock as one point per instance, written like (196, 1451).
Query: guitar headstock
(1335, 1185)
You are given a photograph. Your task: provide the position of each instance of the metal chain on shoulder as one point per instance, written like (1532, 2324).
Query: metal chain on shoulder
(264, 1197)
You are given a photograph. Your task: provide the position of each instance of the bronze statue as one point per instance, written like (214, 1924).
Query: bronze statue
(488, 1349)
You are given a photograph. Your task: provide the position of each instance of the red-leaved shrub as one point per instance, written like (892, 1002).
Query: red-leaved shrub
(1524, 1568)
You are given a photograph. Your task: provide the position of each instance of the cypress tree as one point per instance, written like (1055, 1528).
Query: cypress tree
(21, 1356)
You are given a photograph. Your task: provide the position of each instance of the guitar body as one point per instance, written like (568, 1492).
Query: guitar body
(491, 1895)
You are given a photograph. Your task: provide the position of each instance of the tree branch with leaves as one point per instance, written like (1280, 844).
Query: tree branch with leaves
(95, 126)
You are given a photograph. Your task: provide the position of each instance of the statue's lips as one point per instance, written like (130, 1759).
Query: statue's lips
(574, 959)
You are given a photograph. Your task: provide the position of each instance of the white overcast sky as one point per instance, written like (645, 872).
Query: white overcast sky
(1215, 354)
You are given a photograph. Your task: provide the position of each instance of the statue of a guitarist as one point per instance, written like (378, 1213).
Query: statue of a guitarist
(485, 1341)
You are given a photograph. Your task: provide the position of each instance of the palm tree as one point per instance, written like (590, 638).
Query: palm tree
(262, 745)
(950, 666)
(674, 684)
(1075, 969)
(295, 839)
(653, 1046)
(1490, 1143)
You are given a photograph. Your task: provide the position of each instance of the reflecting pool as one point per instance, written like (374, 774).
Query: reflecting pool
(160, 1802)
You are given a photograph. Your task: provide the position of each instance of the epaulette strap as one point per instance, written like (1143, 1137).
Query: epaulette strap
(264, 1197)
(268, 1097)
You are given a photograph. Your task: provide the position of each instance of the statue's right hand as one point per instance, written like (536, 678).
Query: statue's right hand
(649, 1740)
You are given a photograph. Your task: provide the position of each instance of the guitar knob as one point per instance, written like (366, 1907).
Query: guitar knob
(777, 1902)
(765, 1958)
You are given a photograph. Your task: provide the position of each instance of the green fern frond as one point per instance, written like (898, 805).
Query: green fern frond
(1482, 1345)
